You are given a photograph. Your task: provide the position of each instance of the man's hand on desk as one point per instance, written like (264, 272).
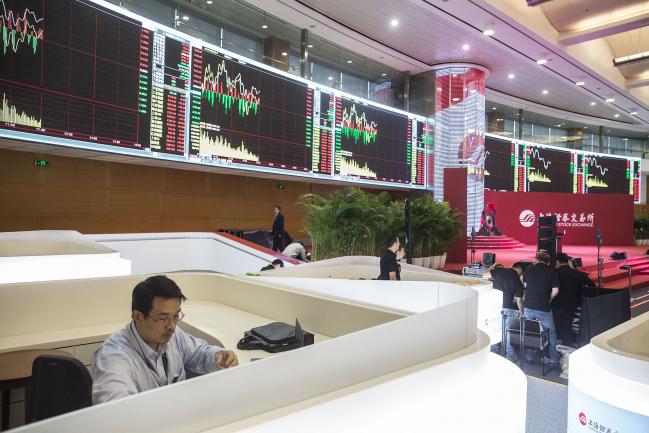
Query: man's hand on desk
(226, 359)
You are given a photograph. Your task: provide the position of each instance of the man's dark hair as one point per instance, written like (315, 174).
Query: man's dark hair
(391, 240)
(518, 265)
(562, 258)
(277, 206)
(543, 257)
(158, 286)
(278, 262)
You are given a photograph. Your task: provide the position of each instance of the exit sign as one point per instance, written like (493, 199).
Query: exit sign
(41, 163)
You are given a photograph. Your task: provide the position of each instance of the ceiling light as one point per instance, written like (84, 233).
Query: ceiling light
(511, 76)
(330, 78)
(284, 53)
(580, 83)
(209, 2)
(542, 61)
(264, 26)
(349, 61)
(633, 113)
(593, 103)
(493, 108)
(185, 17)
(488, 30)
(310, 46)
(633, 58)
(585, 127)
(465, 47)
(616, 115)
(394, 22)
(456, 99)
(383, 74)
(610, 100)
(545, 92)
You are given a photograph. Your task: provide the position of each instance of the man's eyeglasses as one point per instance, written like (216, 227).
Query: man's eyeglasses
(167, 320)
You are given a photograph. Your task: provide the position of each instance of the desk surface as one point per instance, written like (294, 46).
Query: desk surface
(228, 325)
(18, 365)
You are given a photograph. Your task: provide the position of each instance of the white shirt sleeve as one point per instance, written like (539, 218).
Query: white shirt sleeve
(198, 356)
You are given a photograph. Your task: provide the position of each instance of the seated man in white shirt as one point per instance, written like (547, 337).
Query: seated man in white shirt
(150, 351)
(297, 251)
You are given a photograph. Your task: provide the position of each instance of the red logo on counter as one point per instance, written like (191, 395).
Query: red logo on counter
(582, 418)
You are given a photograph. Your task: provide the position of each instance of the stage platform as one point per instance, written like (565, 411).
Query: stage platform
(612, 276)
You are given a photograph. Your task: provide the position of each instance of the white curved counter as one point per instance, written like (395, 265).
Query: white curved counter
(371, 368)
(609, 381)
(56, 255)
(316, 277)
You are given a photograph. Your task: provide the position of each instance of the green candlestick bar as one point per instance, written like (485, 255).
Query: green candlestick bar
(357, 134)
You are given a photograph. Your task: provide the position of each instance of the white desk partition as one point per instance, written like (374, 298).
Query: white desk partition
(362, 355)
(609, 380)
(169, 252)
(56, 255)
(316, 277)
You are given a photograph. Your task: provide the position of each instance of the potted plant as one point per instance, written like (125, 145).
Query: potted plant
(435, 225)
(347, 224)
(641, 229)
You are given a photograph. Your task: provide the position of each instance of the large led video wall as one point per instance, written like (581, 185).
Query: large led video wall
(513, 165)
(87, 74)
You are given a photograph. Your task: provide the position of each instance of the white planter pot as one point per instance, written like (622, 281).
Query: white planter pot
(418, 261)
(434, 262)
(443, 261)
(426, 262)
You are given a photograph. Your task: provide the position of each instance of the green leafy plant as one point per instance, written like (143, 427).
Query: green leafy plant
(353, 222)
(641, 227)
(434, 226)
(349, 223)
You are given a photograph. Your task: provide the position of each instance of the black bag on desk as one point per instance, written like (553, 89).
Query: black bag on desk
(275, 337)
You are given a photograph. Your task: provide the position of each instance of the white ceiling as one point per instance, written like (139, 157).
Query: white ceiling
(622, 24)
(431, 32)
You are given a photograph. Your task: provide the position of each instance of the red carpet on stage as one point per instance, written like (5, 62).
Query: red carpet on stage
(612, 276)
(494, 243)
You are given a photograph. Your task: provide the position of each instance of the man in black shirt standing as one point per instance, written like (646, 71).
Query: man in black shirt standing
(278, 229)
(571, 291)
(509, 282)
(390, 268)
(542, 286)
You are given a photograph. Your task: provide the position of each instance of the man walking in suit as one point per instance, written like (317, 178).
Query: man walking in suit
(278, 229)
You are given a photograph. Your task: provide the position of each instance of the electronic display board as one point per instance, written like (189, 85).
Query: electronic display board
(500, 156)
(541, 168)
(372, 143)
(72, 69)
(244, 114)
(606, 175)
(548, 170)
(88, 74)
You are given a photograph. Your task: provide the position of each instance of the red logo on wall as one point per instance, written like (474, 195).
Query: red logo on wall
(582, 418)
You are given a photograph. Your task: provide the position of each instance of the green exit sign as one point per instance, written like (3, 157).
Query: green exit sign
(280, 186)
(41, 163)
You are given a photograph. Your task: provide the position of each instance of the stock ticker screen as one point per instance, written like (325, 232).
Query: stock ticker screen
(372, 143)
(605, 175)
(82, 74)
(499, 164)
(548, 170)
(244, 114)
(71, 69)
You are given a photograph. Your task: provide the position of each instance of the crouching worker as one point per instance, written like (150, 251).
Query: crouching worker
(150, 351)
